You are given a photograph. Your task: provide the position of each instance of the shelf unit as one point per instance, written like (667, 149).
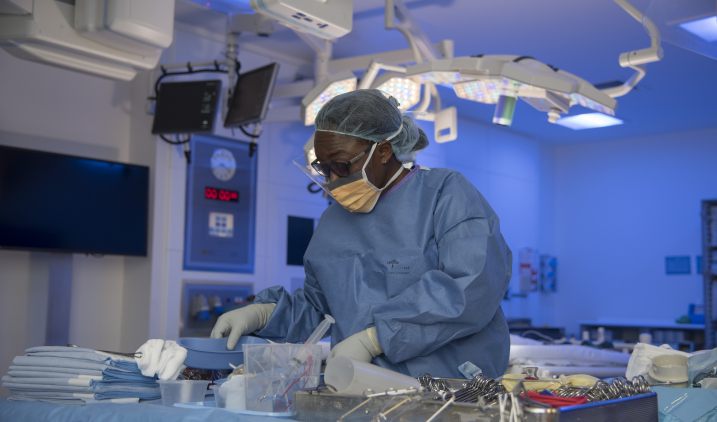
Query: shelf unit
(709, 262)
(686, 337)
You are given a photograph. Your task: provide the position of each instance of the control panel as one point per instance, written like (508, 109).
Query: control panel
(221, 192)
(203, 303)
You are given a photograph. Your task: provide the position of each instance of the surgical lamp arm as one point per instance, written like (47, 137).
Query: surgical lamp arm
(372, 72)
(436, 99)
(623, 89)
(323, 49)
(635, 59)
(390, 23)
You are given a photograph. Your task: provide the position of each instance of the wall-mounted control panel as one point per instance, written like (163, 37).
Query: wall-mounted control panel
(203, 303)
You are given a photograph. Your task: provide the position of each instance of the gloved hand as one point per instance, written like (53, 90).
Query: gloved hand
(161, 358)
(361, 346)
(242, 321)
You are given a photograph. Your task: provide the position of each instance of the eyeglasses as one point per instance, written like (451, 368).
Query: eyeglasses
(338, 168)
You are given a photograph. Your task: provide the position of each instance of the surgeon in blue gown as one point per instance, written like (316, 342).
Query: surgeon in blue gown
(410, 263)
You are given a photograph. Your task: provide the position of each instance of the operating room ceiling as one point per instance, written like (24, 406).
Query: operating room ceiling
(584, 38)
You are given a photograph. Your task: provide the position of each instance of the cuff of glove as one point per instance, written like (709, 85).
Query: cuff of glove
(372, 344)
(264, 311)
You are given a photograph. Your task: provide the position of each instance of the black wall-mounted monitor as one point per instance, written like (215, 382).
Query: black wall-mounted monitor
(61, 203)
(252, 93)
(186, 107)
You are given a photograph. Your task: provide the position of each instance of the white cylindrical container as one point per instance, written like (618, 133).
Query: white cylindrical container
(646, 338)
(352, 377)
(232, 394)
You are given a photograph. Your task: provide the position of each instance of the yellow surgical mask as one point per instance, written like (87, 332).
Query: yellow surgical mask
(355, 192)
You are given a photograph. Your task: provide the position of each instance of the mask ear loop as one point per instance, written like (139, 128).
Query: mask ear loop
(363, 169)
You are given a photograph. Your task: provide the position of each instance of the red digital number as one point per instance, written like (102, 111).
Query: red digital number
(222, 195)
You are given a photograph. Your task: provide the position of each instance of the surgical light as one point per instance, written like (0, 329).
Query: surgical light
(705, 28)
(396, 85)
(330, 87)
(502, 79)
(588, 121)
(445, 71)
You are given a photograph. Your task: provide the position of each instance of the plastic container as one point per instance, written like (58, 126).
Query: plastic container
(232, 394)
(352, 377)
(212, 353)
(184, 391)
(670, 368)
(275, 371)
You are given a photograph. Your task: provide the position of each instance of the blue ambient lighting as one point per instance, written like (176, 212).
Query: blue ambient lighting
(588, 121)
(705, 28)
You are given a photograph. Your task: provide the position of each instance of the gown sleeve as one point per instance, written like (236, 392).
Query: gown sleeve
(462, 296)
(296, 315)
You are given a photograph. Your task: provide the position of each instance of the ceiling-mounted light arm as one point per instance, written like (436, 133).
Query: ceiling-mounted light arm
(634, 59)
(372, 71)
(619, 91)
(419, 42)
(421, 109)
(436, 98)
(323, 49)
(647, 55)
(390, 23)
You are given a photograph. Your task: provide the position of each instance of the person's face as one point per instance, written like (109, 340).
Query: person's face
(330, 146)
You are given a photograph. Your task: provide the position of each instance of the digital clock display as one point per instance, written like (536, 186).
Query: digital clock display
(221, 195)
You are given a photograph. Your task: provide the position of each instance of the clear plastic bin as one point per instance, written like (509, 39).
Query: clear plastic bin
(184, 391)
(275, 371)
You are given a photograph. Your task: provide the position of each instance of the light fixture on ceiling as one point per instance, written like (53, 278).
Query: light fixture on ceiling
(397, 85)
(330, 87)
(501, 79)
(446, 71)
(588, 121)
(705, 28)
(691, 24)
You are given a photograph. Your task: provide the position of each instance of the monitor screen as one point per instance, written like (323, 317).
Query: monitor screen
(186, 107)
(62, 203)
(252, 93)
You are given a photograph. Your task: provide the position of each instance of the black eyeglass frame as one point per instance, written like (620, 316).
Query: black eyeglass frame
(326, 168)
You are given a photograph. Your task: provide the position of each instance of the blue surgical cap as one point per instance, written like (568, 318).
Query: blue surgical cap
(369, 115)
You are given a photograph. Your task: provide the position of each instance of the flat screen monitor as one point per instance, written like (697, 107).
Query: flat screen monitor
(61, 203)
(186, 107)
(252, 93)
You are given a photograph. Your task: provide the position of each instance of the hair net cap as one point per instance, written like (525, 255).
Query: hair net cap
(369, 115)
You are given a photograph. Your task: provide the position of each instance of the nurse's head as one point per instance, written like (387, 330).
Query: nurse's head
(350, 124)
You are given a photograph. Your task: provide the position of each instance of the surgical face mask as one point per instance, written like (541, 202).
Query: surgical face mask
(356, 192)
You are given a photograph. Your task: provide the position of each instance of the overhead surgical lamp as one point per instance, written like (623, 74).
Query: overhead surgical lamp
(330, 87)
(397, 85)
(502, 79)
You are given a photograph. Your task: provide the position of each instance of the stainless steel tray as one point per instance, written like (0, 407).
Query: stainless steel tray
(323, 406)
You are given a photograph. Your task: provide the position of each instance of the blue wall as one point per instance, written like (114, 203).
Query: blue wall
(610, 211)
(621, 207)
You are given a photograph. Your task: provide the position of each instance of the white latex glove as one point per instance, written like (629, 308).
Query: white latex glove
(361, 346)
(242, 321)
(161, 358)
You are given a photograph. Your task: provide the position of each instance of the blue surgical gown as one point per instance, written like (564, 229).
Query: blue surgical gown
(428, 267)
